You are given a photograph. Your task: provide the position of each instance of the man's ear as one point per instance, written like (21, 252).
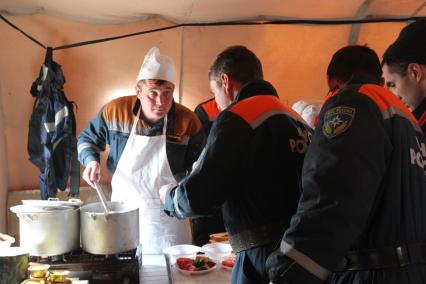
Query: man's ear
(138, 91)
(226, 83)
(415, 71)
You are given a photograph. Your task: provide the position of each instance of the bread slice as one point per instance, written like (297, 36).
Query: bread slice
(219, 237)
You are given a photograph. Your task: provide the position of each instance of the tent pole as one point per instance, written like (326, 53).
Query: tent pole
(182, 54)
(355, 28)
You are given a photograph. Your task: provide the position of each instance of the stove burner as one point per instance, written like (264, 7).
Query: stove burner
(98, 269)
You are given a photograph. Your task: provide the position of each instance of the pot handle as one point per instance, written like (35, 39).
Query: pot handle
(96, 215)
(27, 217)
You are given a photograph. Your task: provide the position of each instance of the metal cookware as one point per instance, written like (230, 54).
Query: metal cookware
(13, 264)
(109, 233)
(6, 241)
(48, 230)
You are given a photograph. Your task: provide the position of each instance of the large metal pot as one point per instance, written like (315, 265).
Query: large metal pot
(115, 232)
(47, 231)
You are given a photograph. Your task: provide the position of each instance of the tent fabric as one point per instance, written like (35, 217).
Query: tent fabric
(184, 11)
(294, 57)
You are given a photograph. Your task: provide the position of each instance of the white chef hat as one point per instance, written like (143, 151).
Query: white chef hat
(156, 66)
(308, 110)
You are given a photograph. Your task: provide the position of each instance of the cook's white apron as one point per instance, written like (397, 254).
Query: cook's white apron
(142, 169)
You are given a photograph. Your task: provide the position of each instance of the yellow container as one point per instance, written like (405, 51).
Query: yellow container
(58, 276)
(33, 281)
(38, 270)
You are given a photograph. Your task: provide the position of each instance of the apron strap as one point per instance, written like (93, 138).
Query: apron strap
(135, 122)
(165, 125)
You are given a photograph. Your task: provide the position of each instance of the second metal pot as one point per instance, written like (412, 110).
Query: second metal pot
(110, 233)
(48, 231)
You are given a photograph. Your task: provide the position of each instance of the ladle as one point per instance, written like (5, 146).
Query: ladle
(101, 196)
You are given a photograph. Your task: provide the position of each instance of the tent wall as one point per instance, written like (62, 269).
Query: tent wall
(94, 75)
(294, 59)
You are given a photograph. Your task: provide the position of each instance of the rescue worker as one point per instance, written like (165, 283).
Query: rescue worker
(203, 227)
(404, 69)
(153, 141)
(361, 217)
(250, 167)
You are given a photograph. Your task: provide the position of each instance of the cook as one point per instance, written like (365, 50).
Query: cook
(153, 141)
(250, 167)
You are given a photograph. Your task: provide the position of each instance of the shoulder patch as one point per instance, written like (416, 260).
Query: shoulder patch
(337, 120)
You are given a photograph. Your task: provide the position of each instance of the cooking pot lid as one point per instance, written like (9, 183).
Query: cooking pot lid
(53, 202)
(38, 209)
(13, 251)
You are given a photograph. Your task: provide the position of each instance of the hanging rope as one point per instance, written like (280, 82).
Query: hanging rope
(21, 31)
(238, 23)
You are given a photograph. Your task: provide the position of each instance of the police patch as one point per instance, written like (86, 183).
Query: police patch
(337, 120)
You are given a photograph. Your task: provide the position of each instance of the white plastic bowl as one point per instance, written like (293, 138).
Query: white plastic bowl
(174, 252)
(217, 251)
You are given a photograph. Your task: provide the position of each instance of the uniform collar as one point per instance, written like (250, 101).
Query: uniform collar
(360, 79)
(418, 112)
(255, 89)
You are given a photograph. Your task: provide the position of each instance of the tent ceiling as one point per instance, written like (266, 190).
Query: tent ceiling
(191, 11)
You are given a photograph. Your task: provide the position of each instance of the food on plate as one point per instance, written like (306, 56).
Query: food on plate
(229, 262)
(200, 263)
(219, 237)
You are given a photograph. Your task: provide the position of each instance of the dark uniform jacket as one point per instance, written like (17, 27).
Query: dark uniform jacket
(114, 122)
(364, 187)
(207, 112)
(52, 143)
(203, 227)
(250, 167)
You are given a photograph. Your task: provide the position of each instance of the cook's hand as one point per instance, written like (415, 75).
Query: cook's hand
(92, 173)
(163, 191)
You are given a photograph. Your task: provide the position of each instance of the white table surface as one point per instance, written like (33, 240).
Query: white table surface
(154, 270)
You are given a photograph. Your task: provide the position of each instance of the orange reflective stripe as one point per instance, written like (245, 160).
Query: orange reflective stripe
(331, 94)
(262, 107)
(385, 100)
(211, 109)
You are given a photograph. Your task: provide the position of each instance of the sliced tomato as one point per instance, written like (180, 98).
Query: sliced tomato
(184, 263)
(229, 262)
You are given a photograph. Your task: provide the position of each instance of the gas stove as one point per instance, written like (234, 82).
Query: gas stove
(122, 268)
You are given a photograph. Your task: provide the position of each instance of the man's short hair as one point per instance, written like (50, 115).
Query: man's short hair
(409, 47)
(355, 61)
(238, 62)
